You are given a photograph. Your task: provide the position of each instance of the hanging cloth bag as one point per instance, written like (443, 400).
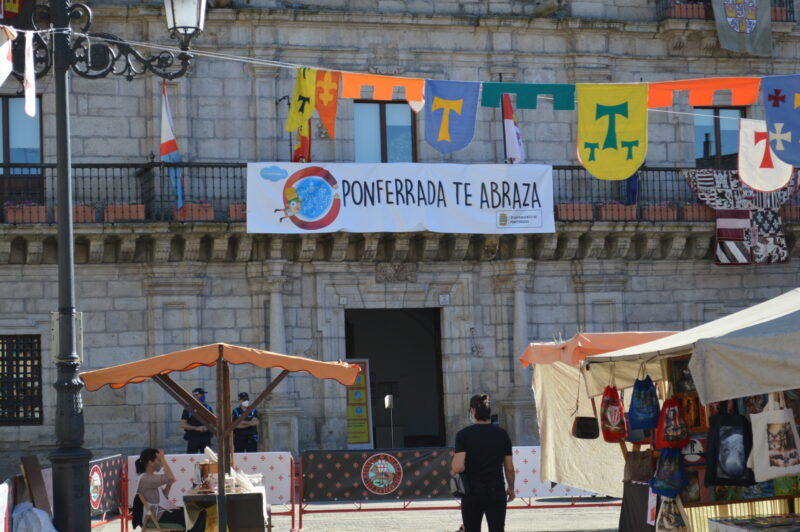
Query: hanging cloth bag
(612, 413)
(584, 427)
(671, 516)
(775, 442)
(670, 476)
(730, 440)
(644, 410)
(672, 431)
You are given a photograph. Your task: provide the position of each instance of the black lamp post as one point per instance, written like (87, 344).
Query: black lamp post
(89, 55)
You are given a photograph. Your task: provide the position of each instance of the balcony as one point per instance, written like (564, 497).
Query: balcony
(782, 10)
(131, 193)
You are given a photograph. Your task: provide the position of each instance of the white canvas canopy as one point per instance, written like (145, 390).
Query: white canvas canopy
(748, 352)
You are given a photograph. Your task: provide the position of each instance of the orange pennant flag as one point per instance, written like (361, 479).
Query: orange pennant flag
(328, 99)
(744, 91)
(382, 87)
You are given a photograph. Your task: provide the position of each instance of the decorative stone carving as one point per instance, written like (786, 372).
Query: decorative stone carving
(96, 249)
(387, 272)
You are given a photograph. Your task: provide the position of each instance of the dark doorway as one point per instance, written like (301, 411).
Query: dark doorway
(405, 359)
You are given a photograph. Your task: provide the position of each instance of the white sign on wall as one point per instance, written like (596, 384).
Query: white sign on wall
(297, 198)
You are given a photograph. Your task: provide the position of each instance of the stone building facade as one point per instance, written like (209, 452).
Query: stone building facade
(155, 286)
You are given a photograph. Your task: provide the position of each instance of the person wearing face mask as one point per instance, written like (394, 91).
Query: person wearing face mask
(245, 437)
(483, 454)
(155, 481)
(195, 433)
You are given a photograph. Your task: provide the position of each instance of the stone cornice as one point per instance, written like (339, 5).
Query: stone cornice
(201, 243)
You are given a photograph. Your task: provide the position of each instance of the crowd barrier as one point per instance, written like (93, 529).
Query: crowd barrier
(409, 475)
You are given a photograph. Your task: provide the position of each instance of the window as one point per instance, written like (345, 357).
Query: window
(20, 143)
(20, 380)
(716, 136)
(385, 132)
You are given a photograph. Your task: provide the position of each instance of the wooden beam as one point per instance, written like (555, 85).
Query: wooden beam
(263, 395)
(187, 401)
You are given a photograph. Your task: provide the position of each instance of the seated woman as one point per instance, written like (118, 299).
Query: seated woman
(151, 480)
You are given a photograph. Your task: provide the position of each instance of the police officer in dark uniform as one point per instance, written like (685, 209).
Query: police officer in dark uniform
(195, 433)
(245, 438)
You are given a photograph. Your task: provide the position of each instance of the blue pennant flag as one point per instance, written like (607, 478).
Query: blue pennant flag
(782, 104)
(450, 109)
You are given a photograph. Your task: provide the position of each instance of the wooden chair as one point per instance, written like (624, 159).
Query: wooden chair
(149, 521)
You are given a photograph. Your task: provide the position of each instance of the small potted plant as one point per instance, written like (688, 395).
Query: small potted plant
(237, 212)
(123, 213)
(80, 213)
(616, 211)
(574, 211)
(697, 213)
(26, 212)
(199, 211)
(659, 213)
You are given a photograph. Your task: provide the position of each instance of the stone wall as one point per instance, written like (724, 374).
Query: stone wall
(597, 276)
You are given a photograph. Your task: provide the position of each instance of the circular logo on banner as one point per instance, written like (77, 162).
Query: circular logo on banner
(381, 473)
(95, 486)
(311, 199)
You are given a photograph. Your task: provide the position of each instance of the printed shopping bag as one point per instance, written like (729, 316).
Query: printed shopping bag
(671, 517)
(612, 414)
(670, 476)
(640, 436)
(644, 410)
(730, 440)
(775, 442)
(672, 431)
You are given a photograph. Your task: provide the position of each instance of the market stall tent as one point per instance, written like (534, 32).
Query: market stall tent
(220, 355)
(764, 360)
(592, 465)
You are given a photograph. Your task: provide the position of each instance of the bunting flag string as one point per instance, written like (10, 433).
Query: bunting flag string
(563, 95)
(612, 143)
(327, 99)
(450, 113)
(781, 97)
(758, 167)
(612, 129)
(303, 98)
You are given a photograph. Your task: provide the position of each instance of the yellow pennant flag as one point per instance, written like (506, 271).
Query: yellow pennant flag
(612, 129)
(303, 98)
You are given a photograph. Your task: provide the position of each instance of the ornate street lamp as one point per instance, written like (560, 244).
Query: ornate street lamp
(89, 55)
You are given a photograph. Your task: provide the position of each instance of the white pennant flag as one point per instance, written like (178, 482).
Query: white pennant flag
(30, 76)
(759, 168)
(6, 62)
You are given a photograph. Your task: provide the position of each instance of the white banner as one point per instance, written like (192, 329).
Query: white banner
(296, 198)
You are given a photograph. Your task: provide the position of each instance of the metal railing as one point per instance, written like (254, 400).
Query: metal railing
(126, 193)
(782, 10)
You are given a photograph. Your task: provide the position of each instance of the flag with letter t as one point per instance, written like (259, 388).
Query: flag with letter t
(169, 148)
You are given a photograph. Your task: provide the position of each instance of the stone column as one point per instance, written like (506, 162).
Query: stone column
(281, 410)
(519, 410)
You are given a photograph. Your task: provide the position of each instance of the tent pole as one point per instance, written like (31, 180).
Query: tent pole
(222, 459)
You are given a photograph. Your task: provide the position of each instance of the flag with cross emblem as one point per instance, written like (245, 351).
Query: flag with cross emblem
(781, 97)
(758, 166)
(450, 113)
(327, 99)
(612, 128)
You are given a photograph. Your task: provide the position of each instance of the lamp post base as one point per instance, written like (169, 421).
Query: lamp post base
(71, 510)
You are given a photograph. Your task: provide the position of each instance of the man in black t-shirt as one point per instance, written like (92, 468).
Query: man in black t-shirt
(195, 433)
(482, 454)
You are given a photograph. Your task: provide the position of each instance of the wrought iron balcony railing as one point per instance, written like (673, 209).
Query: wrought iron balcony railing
(126, 193)
(782, 10)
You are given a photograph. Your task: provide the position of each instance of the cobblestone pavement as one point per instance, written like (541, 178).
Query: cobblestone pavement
(573, 519)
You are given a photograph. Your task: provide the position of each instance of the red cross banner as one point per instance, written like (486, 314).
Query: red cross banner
(759, 168)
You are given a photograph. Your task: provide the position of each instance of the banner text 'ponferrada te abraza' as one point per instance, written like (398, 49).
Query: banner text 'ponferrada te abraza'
(399, 197)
